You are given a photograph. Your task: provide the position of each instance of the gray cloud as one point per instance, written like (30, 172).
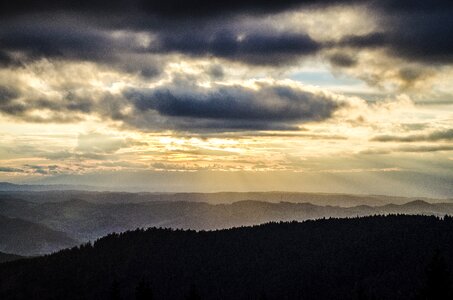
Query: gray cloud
(267, 47)
(7, 94)
(72, 31)
(409, 149)
(11, 170)
(8, 105)
(5, 59)
(79, 38)
(64, 110)
(431, 137)
(342, 60)
(55, 40)
(170, 9)
(94, 142)
(69, 30)
(42, 170)
(434, 148)
(233, 107)
(181, 105)
(216, 72)
(414, 30)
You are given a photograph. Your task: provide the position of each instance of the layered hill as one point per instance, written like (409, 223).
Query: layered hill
(322, 199)
(27, 238)
(5, 257)
(88, 220)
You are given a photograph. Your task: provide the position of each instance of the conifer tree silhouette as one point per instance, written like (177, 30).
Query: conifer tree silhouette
(143, 291)
(361, 292)
(438, 281)
(193, 293)
(115, 293)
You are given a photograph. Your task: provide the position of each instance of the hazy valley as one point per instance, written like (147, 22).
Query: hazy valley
(38, 222)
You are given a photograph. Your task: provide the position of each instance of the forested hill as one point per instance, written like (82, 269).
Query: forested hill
(392, 257)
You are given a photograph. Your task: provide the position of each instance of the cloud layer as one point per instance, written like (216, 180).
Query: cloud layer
(410, 30)
(269, 107)
(319, 89)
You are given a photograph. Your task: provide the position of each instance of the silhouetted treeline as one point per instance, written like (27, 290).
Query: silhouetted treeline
(393, 257)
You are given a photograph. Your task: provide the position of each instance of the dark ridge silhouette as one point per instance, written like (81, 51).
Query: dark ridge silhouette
(380, 257)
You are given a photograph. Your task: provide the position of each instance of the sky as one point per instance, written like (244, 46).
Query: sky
(349, 96)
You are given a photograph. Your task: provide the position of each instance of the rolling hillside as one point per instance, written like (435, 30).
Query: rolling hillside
(26, 238)
(5, 257)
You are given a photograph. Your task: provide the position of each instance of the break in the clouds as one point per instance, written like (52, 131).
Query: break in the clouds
(296, 91)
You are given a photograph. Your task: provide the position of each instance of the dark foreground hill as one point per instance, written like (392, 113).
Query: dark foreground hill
(362, 258)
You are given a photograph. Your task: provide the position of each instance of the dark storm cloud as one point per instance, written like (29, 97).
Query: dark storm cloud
(180, 105)
(411, 5)
(168, 8)
(5, 59)
(264, 47)
(65, 38)
(371, 40)
(204, 126)
(439, 135)
(414, 30)
(84, 30)
(73, 39)
(12, 104)
(424, 36)
(234, 107)
(54, 41)
(235, 103)
(71, 30)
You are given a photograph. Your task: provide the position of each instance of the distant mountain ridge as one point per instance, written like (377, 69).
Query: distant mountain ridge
(12, 187)
(83, 220)
(60, 193)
